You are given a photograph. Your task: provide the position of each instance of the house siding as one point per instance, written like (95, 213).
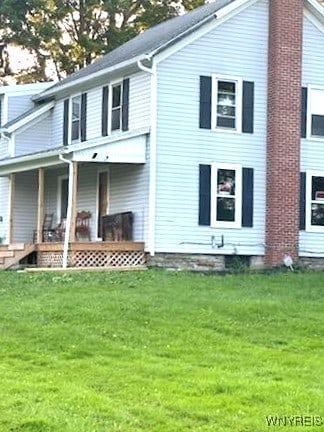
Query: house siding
(41, 138)
(312, 151)
(17, 105)
(237, 48)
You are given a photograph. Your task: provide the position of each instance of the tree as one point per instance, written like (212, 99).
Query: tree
(70, 34)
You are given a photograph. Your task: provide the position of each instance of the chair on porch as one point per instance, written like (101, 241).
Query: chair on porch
(82, 225)
(48, 232)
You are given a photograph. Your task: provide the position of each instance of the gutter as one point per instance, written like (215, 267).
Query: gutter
(153, 151)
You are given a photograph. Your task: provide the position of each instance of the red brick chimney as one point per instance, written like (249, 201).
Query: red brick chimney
(283, 129)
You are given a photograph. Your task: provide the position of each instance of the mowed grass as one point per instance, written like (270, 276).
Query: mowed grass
(159, 352)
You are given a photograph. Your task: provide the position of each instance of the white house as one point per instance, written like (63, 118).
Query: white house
(208, 128)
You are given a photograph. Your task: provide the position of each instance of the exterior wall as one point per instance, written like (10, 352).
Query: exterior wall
(237, 48)
(17, 105)
(41, 138)
(25, 208)
(57, 124)
(312, 151)
(4, 210)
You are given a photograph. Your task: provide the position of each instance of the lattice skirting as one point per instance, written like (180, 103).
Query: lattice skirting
(95, 258)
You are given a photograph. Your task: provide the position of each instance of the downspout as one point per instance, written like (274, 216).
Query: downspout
(152, 178)
(68, 213)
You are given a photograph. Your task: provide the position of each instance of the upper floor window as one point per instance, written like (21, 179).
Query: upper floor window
(315, 201)
(226, 104)
(76, 118)
(315, 108)
(115, 105)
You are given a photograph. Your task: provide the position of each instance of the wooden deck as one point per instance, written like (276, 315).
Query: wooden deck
(92, 254)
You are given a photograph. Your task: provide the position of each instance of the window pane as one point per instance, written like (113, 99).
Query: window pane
(317, 101)
(76, 104)
(318, 214)
(317, 188)
(75, 130)
(226, 87)
(226, 209)
(115, 119)
(318, 125)
(226, 111)
(226, 182)
(116, 96)
(226, 122)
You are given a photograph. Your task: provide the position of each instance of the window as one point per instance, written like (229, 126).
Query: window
(76, 118)
(315, 112)
(227, 103)
(116, 107)
(315, 201)
(226, 195)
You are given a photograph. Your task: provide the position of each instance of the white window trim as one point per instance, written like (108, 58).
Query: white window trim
(238, 196)
(111, 85)
(239, 103)
(308, 202)
(309, 135)
(70, 119)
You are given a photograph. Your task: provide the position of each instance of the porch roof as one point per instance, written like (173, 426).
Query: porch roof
(124, 147)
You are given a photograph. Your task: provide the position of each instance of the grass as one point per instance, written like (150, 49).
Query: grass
(159, 352)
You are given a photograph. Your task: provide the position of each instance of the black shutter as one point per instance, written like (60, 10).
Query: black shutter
(104, 111)
(205, 102)
(125, 104)
(204, 194)
(66, 122)
(247, 197)
(83, 117)
(248, 107)
(303, 112)
(302, 201)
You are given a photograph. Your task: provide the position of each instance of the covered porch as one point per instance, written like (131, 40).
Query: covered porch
(67, 184)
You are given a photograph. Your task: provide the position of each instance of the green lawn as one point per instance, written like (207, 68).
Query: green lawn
(157, 351)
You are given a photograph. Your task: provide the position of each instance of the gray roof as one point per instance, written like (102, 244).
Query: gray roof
(20, 117)
(152, 40)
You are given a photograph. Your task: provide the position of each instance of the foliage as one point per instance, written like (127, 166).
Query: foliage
(158, 351)
(71, 34)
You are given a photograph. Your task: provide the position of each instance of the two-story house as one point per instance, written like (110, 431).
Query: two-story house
(208, 128)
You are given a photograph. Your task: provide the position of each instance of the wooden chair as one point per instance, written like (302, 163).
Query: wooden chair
(48, 232)
(82, 225)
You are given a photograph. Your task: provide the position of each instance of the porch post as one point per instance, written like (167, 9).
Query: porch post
(71, 209)
(12, 178)
(74, 200)
(40, 205)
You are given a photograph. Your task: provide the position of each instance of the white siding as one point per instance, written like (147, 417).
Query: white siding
(128, 191)
(36, 138)
(25, 208)
(94, 113)
(139, 100)
(312, 151)
(4, 207)
(57, 124)
(238, 48)
(17, 105)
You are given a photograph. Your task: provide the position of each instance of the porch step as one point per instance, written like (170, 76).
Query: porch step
(9, 258)
(16, 246)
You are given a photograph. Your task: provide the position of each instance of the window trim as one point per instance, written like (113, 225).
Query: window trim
(79, 95)
(113, 84)
(239, 103)
(308, 202)
(309, 135)
(238, 195)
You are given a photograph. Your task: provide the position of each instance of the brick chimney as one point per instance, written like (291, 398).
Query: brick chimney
(283, 129)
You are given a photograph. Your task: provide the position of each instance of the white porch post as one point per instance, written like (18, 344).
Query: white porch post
(11, 207)
(40, 205)
(71, 209)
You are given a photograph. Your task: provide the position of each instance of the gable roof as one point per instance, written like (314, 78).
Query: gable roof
(147, 43)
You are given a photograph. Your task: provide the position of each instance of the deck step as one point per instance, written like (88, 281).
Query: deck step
(16, 246)
(7, 253)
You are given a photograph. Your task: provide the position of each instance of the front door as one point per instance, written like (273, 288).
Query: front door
(102, 200)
